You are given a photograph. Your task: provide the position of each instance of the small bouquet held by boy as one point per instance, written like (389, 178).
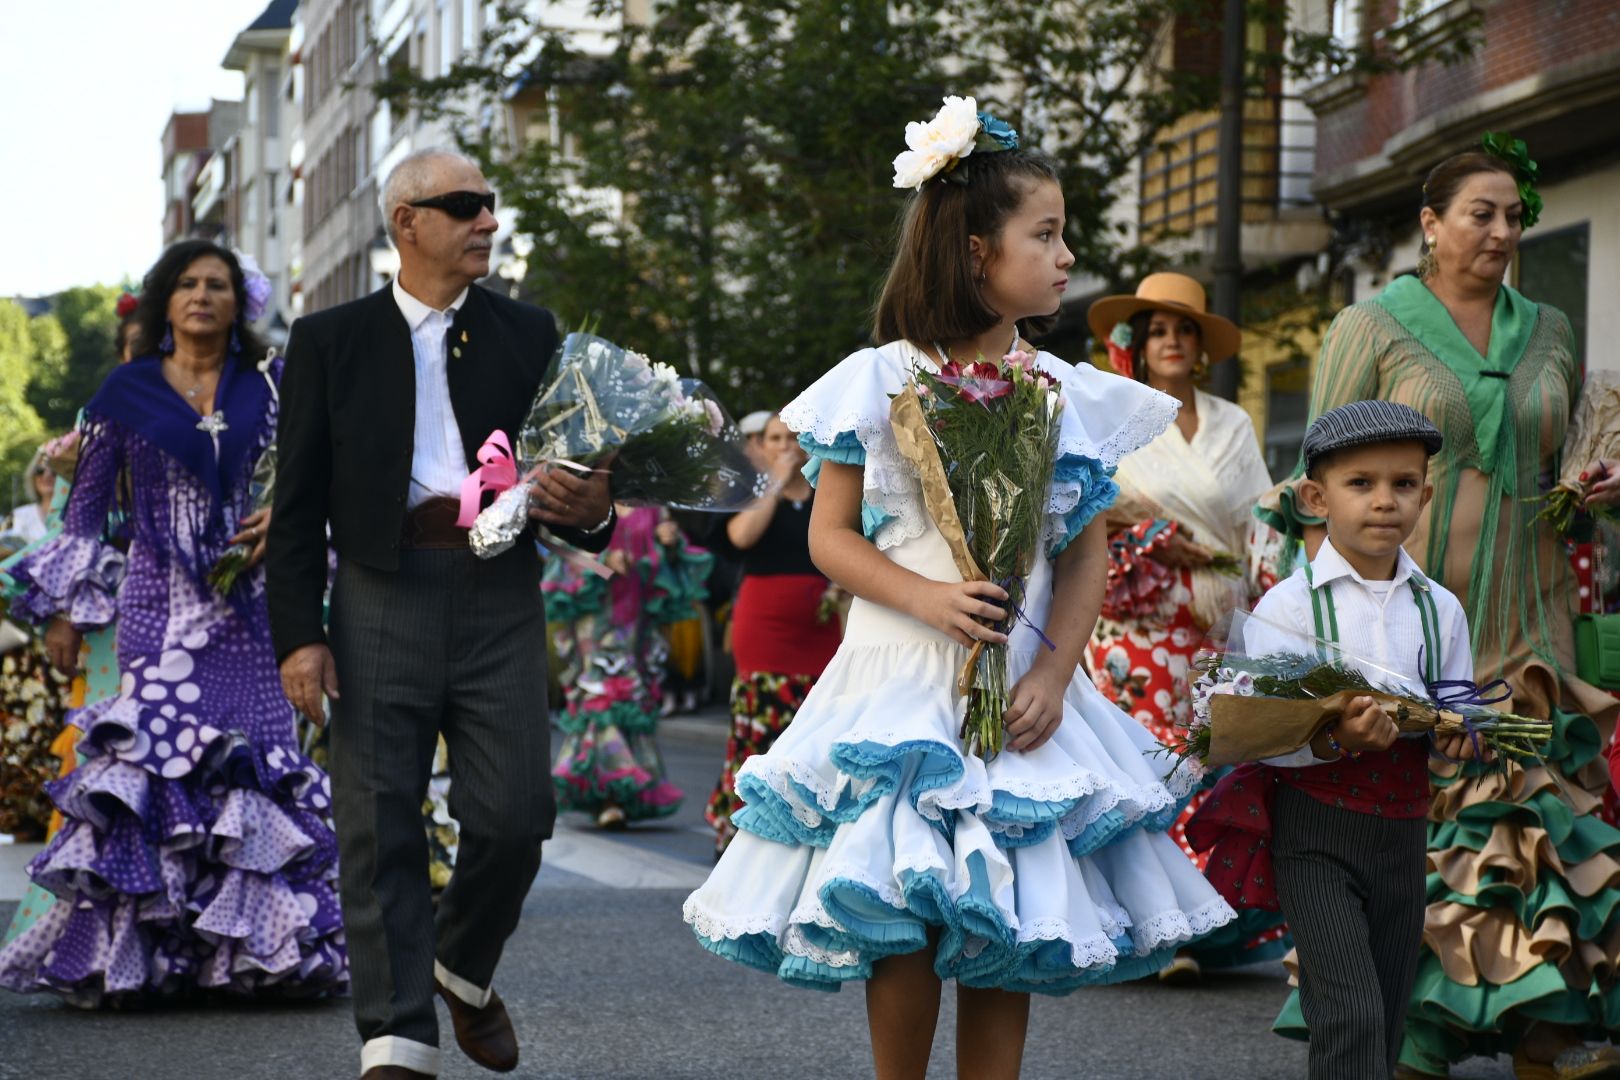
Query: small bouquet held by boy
(983, 438)
(669, 441)
(1248, 707)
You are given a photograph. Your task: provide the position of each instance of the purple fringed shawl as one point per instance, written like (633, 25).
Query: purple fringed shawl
(185, 503)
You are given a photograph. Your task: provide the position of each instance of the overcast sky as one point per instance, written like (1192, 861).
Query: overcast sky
(87, 87)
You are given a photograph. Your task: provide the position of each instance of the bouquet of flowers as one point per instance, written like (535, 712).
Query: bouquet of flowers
(1251, 707)
(1594, 433)
(983, 437)
(669, 440)
(261, 489)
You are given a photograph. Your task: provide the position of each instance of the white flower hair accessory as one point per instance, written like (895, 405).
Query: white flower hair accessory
(937, 147)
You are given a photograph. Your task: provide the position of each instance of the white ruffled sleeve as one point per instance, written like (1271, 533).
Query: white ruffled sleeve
(844, 417)
(1105, 417)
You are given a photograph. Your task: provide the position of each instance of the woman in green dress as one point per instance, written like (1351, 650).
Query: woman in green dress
(1522, 937)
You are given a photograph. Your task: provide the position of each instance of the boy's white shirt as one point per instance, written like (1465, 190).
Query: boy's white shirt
(1383, 629)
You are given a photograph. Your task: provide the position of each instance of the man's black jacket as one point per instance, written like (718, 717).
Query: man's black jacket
(345, 437)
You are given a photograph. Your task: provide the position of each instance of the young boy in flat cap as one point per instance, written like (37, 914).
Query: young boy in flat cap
(1346, 823)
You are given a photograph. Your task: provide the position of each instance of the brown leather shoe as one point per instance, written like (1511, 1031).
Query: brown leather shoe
(394, 1072)
(486, 1034)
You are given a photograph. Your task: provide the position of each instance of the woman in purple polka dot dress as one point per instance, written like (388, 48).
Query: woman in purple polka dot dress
(197, 851)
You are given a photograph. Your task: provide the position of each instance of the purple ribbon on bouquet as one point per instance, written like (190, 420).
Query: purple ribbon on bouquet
(1455, 693)
(1020, 617)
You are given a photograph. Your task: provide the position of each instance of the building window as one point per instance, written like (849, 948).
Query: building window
(1553, 270)
(447, 37)
(1344, 22)
(1288, 407)
(272, 104)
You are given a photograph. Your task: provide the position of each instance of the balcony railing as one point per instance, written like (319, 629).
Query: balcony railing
(1179, 179)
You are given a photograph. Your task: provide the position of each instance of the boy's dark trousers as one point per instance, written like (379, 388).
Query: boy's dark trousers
(1351, 886)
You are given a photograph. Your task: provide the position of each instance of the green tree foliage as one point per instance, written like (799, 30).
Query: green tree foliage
(720, 194)
(88, 317)
(21, 429)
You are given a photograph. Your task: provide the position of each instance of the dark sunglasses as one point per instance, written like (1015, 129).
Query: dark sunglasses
(461, 205)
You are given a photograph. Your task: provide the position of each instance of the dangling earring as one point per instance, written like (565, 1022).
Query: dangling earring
(1201, 368)
(236, 342)
(167, 344)
(1425, 265)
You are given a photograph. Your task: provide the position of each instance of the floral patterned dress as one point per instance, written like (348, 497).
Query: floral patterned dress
(1154, 618)
(613, 658)
(197, 850)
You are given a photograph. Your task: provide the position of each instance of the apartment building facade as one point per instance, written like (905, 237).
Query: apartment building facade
(1548, 73)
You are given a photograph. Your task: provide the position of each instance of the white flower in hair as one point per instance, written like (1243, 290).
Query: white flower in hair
(938, 144)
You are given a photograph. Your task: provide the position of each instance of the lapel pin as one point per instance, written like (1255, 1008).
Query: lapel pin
(464, 337)
(456, 352)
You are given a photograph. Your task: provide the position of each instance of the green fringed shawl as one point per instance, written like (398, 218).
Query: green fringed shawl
(1404, 346)
(1484, 378)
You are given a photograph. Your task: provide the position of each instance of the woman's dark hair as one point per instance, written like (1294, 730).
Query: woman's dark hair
(1447, 178)
(930, 293)
(1139, 324)
(151, 314)
(1443, 183)
(129, 329)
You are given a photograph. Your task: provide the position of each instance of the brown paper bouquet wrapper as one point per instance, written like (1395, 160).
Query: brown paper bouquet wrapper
(1255, 728)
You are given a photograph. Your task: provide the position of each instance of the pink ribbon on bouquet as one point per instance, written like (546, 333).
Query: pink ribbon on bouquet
(497, 472)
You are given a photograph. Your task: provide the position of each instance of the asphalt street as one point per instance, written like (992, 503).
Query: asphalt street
(604, 982)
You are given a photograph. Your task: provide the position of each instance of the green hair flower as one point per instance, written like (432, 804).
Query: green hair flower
(1500, 144)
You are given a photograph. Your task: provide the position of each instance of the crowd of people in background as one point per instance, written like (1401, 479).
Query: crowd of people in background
(189, 812)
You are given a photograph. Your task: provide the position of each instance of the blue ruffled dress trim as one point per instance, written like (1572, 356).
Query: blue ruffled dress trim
(846, 449)
(1098, 492)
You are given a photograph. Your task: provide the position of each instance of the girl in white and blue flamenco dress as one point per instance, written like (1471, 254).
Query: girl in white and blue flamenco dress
(870, 846)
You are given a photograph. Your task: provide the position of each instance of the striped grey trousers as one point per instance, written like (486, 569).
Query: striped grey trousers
(453, 644)
(1352, 888)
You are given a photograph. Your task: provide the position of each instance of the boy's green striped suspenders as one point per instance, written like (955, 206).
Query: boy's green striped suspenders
(1327, 621)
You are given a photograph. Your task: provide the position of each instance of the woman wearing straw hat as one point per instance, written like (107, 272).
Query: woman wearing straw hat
(1178, 538)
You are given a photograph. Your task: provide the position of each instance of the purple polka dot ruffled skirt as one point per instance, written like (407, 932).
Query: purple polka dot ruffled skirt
(197, 851)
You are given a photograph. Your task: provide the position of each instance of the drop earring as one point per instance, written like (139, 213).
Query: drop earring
(236, 342)
(167, 344)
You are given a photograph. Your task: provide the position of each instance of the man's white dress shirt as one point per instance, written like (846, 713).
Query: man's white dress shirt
(1378, 623)
(438, 459)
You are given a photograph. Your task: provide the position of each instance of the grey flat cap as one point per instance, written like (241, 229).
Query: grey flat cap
(1363, 422)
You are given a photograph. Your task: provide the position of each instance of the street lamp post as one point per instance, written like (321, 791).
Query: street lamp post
(1228, 267)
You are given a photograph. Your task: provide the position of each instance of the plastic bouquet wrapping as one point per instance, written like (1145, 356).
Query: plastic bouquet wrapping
(1594, 432)
(669, 440)
(983, 438)
(261, 489)
(1251, 707)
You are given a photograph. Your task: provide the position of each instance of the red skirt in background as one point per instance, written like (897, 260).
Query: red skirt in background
(774, 627)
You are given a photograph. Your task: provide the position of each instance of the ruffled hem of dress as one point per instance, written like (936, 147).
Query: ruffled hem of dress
(1045, 871)
(584, 784)
(76, 576)
(215, 869)
(827, 917)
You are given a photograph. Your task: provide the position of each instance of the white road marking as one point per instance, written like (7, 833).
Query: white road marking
(622, 866)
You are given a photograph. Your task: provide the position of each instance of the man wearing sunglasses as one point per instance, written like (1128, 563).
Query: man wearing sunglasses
(385, 403)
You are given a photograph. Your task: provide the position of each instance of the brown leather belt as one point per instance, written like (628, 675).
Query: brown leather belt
(431, 525)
